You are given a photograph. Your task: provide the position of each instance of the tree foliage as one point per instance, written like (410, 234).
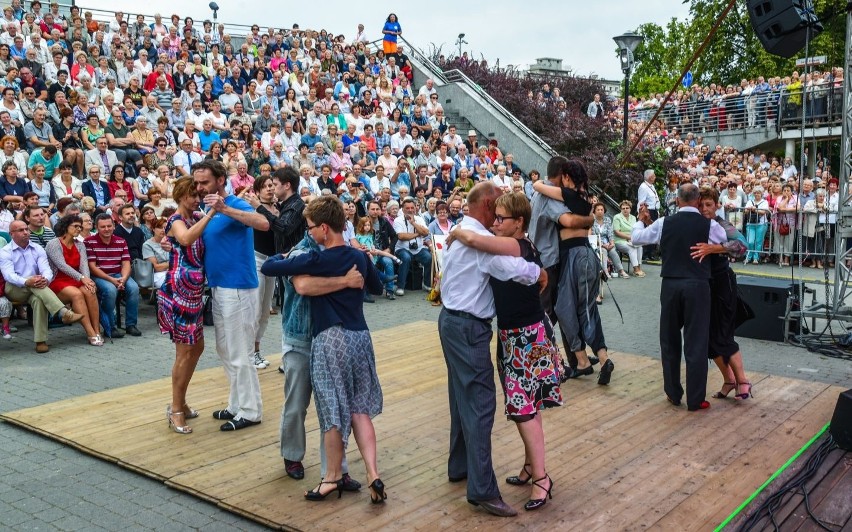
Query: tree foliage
(567, 129)
(735, 53)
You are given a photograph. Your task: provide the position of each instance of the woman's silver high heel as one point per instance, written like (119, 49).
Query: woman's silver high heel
(180, 429)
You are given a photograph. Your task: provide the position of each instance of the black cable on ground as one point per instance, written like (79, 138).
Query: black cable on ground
(765, 514)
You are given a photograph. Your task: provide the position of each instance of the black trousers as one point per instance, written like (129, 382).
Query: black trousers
(685, 305)
(549, 297)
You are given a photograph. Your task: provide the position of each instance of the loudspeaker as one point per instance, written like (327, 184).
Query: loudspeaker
(841, 421)
(768, 299)
(781, 25)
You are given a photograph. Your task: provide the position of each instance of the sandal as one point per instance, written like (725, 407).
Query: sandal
(731, 387)
(743, 396)
(180, 429)
(96, 340)
(517, 480)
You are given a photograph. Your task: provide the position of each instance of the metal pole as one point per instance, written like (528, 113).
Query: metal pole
(626, 104)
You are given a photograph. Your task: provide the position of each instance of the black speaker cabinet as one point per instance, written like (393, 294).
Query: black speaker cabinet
(841, 421)
(768, 299)
(781, 25)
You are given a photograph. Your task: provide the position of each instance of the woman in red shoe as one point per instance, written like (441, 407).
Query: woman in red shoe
(722, 347)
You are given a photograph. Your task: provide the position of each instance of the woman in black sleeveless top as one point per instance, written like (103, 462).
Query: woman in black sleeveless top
(722, 347)
(528, 359)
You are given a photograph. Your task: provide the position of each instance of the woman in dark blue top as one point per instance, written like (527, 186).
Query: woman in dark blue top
(391, 31)
(347, 392)
(12, 186)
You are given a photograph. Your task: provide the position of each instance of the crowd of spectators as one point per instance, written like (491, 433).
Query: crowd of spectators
(771, 101)
(99, 114)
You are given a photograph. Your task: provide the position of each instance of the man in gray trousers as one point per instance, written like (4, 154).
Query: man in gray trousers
(296, 342)
(465, 329)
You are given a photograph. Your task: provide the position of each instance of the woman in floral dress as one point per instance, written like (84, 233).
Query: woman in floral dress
(180, 307)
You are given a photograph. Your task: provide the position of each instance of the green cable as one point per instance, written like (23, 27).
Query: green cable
(780, 470)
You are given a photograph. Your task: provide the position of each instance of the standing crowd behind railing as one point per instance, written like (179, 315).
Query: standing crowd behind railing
(774, 102)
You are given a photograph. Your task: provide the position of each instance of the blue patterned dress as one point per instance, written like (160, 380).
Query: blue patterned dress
(180, 305)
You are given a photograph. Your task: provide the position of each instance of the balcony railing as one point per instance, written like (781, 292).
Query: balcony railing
(778, 110)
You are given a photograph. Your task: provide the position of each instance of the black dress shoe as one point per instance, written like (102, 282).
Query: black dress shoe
(594, 360)
(496, 507)
(294, 469)
(349, 483)
(368, 298)
(606, 373)
(133, 331)
(579, 372)
(675, 402)
(237, 423)
(222, 414)
(117, 333)
(457, 479)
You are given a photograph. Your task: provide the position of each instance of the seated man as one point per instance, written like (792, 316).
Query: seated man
(27, 273)
(101, 156)
(36, 217)
(128, 230)
(109, 262)
(410, 229)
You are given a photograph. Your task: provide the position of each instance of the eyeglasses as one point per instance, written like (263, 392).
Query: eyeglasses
(309, 227)
(161, 145)
(500, 219)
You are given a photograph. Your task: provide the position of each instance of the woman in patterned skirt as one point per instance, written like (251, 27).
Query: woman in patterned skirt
(347, 392)
(180, 307)
(528, 359)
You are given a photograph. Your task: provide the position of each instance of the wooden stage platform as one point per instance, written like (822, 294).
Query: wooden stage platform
(621, 457)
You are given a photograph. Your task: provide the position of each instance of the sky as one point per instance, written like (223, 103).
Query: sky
(497, 29)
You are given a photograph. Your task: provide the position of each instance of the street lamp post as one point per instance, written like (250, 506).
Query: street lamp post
(459, 42)
(627, 44)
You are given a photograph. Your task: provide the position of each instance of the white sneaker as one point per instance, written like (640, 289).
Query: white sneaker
(400, 292)
(259, 361)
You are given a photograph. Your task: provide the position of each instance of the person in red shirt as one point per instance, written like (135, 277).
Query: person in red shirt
(109, 264)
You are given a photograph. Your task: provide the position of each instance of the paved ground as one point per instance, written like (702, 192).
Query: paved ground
(46, 486)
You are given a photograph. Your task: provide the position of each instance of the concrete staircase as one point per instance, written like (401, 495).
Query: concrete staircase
(468, 106)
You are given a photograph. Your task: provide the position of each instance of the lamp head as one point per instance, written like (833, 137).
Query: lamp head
(461, 36)
(628, 41)
(214, 6)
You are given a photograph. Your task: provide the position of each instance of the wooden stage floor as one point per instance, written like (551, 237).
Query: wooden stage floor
(620, 456)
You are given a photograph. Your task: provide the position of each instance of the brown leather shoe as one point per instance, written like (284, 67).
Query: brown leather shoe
(71, 317)
(496, 507)
(42, 347)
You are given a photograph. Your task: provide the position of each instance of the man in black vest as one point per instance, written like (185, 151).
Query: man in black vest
(684, 295)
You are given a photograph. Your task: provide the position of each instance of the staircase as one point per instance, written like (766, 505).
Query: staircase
(468, 106)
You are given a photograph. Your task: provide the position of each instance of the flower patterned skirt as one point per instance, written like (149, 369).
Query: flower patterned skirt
(530, 367)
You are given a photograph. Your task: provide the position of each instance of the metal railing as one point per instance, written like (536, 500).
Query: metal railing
(106, 15)
(776, 110)
(810, 234)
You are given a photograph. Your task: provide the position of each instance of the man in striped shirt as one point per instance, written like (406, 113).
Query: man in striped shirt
(35, 217)
(109, 262)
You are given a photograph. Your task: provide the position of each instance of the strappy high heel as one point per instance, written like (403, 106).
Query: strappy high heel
(535, 504)
(720, 395)
(180, 429)
(377, 491)
(516, 480)
(743, 396)
(317, 495)
(189, 412)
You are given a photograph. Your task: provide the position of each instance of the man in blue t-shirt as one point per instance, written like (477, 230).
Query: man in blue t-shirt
(232, 276)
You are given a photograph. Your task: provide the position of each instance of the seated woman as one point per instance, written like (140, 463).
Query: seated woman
(154, 253)
(441, 224)
(622, 225)
(528, 359)
(71, 280)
